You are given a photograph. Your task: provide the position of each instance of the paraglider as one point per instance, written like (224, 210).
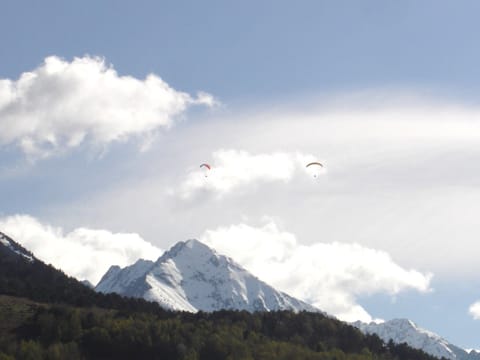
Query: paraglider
(314, 167)
(206, 167)
(314, 163)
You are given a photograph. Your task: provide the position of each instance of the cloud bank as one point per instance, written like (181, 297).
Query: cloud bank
(83, 253)
(60, 105)
(329, 275)
(232, 169)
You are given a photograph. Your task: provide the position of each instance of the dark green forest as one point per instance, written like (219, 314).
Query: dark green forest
(45, 314)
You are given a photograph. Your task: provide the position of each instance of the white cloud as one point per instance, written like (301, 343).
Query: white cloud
(62, 104)
(400, 178)
(232, 169)
(83, 253)
(329, 275)
(474, 310)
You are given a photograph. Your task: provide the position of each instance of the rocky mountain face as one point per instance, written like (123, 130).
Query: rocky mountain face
(192, 277)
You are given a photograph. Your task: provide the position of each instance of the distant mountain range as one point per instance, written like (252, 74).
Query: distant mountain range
(406, 331)
(47, 314)
(191, 277)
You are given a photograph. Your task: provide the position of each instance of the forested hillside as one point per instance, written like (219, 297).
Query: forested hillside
(32, 330)
(45, 314)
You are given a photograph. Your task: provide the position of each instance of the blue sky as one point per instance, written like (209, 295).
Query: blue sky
(268, 48)
(384, 92)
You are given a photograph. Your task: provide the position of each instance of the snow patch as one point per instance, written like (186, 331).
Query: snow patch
(5, 241)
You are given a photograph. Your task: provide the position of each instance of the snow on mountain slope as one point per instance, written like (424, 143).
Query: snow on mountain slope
(121, 280)
(406, 331)
(191, 277)
(15, 248)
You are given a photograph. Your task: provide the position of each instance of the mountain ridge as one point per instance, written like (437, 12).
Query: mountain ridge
(16, 248)
(191, 276)
(37, 276)
(407, 331)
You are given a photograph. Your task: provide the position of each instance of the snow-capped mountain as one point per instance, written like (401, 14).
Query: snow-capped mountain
(15, 248)
(406, 331)
(191, 277)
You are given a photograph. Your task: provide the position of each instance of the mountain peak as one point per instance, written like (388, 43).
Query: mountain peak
(191, 276)
(191, 243)
(403, 323)
(189, 246)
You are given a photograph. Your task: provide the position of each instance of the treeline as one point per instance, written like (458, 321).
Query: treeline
(65, 332)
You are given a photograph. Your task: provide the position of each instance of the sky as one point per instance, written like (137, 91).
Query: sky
(108, 108)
